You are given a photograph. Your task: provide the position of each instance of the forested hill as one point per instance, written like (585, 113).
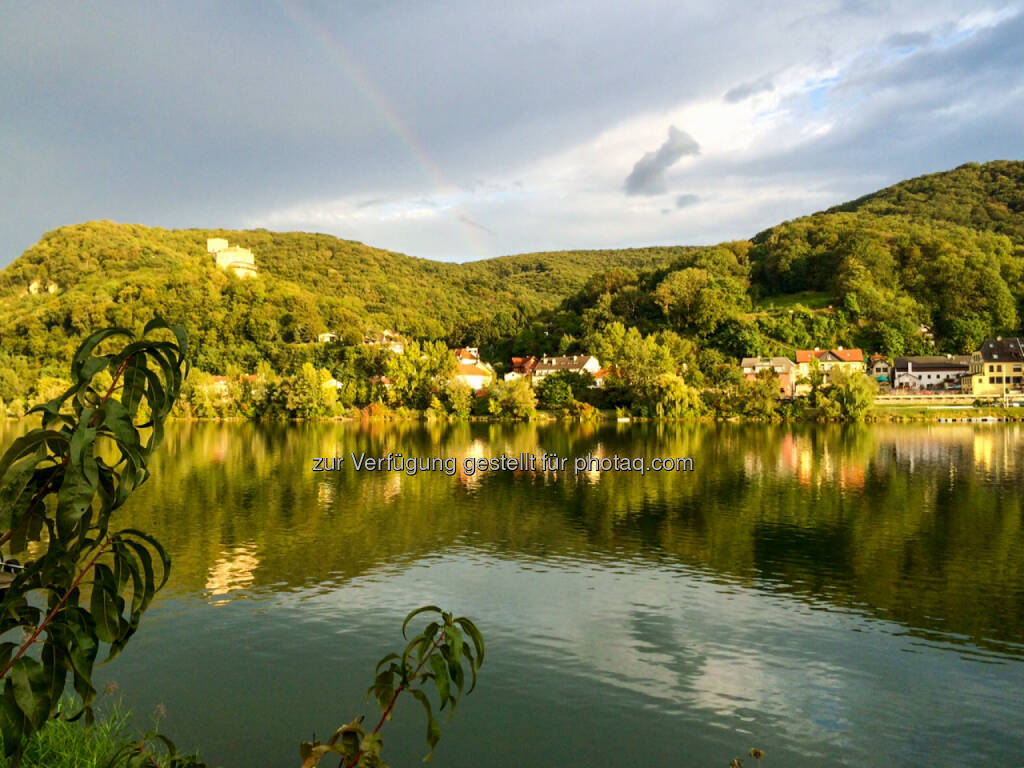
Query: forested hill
(944, 251)
(105, 272)
(987, 197)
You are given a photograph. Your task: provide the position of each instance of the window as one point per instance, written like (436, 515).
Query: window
(991, 369)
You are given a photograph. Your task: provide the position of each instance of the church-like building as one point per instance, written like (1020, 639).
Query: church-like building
(232, 257)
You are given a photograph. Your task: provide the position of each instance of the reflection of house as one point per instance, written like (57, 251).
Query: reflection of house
(522, 368)
(232, 258)
(234, 570)
(570, 363)
(997, 368)
(782, 367)
(930, 372)
(388, 339)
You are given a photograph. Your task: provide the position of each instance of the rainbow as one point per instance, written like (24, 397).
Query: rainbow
(336, 53)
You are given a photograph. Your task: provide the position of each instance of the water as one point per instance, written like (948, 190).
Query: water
(831, 595)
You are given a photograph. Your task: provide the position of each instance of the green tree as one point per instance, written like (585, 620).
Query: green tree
(853, 392)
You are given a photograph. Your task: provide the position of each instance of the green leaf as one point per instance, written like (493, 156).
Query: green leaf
(13, 497)
(454, 638)
(85, 349)
(134, 379)
(179, 333)
(103, 604)
(28, 444)
(475, 636)
(440, 678)
(433, 729)
(31, 690)
(13, 724)
(472, 667)
(418, 611)
(165, 559)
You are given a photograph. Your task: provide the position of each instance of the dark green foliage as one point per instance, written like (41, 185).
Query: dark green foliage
(437, 658)
(560, 389)
(115, 274)
(90, 586)
(987, 197)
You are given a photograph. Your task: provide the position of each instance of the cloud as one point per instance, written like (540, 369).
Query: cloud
(748, 89)
(685, 201)
(648, 175)
(386, 146)
(908, 40)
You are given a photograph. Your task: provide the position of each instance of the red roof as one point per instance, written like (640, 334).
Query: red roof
(846, 355)
(524, 364)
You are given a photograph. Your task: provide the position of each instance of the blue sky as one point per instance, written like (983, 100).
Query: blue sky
(461, 130)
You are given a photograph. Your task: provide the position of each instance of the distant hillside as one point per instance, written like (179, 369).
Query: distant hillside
(105, 272)
(987, 197)
(930, 264)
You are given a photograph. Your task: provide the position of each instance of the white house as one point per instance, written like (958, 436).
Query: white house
(475, 375)
(570, 363)
(930, 372)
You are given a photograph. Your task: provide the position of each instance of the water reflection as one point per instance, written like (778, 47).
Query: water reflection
(845, 591)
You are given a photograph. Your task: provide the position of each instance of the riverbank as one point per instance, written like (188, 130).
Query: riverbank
(887, 411)
(75, 745)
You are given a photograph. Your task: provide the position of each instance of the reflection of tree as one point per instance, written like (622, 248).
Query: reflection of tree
(920, 524)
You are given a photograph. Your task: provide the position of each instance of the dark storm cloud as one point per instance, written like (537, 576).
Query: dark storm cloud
(746, 90)
(648, 175)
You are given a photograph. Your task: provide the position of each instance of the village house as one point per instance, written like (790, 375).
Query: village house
(848, 360)
(782, 367)
(470, 370)
(522, 368)
(569, 363)
(327, 338)
(880, 369)
(386, 338)
(233, 258)
(997, 368)
(930, 372)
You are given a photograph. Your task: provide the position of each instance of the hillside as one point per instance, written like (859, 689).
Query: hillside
(945, 251)
(309, 283)
(987, 197)
(930, 264)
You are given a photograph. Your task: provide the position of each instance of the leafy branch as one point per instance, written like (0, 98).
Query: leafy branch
(440, 654)
(59, 487)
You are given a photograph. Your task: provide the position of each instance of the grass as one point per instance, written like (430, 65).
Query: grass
(74, 745)
(919, 412)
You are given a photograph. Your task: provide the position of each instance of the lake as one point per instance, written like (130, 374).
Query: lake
(833, 595)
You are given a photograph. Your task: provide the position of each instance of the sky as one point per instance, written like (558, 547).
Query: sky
(460, 130)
